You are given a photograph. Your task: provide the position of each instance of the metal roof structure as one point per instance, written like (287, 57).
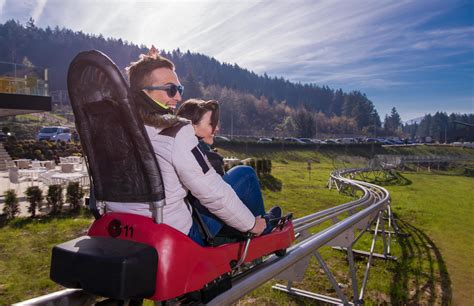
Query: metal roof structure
(23, 89)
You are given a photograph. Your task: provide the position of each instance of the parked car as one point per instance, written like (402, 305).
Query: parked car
(293, 140)
(306, 140)
(67, 137)
(221, 138)
(264, 140)
(384, 141)
(53, 133)
(348, 140)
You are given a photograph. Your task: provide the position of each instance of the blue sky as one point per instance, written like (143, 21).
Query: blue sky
(415, 55)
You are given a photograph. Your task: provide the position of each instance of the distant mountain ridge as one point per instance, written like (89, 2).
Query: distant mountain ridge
(414, 120)
(55, 48)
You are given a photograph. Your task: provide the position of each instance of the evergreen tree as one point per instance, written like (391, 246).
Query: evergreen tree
(392, 123)
(11, 207)
(55, 48)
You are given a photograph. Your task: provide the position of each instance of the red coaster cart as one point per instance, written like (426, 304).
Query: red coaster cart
(127, 256)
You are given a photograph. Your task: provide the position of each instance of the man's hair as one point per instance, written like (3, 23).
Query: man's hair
(194, 110)
(139, 71)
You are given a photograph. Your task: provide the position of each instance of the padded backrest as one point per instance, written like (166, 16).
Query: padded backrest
(120, 158)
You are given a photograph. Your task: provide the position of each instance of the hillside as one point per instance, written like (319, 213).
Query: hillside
(202, 76)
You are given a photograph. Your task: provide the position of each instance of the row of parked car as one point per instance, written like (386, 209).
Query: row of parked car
(384, 141)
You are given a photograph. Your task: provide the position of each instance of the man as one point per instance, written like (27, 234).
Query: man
(156, 88)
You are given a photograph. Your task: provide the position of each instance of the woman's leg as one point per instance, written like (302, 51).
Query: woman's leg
(244, 181)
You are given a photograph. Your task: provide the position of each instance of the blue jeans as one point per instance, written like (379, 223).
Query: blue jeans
(244, 181)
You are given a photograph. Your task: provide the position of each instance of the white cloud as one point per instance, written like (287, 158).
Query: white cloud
(362, 44)
(2, 4)
(38, 10)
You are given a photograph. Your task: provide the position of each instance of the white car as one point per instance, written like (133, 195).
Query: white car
(53, 133)
(61, 137)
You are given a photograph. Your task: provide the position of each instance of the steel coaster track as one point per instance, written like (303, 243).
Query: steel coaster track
(363, 212)
(357, 217)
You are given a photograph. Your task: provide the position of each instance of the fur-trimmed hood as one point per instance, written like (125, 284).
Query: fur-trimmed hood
(160, 121)
(154, 115)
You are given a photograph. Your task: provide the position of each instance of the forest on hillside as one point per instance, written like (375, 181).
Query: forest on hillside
(251, 104)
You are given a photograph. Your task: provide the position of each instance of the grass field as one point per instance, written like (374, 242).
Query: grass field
(434, 265)
(25, 254)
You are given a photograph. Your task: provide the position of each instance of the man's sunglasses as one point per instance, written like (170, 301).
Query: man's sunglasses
(171, 89)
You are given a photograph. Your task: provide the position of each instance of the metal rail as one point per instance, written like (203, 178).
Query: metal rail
(356, 216)
(363, 212)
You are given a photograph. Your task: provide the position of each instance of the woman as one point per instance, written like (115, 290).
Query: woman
(204, 116)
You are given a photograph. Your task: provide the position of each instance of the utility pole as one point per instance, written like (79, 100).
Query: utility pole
(446, 133)
(232, 124)
(375, 128)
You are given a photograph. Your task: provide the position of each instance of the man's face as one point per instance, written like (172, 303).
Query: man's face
(164, 76)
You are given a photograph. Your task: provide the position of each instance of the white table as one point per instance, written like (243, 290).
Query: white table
(64, 178)
(22, 163)
(33, 174)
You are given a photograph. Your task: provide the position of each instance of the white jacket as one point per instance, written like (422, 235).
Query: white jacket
(183, 167)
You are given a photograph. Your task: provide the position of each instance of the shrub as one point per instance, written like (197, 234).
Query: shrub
(55, 198)
(11, 208)
(259, 167)
(74, 195)
(38, 154)
(266, 166)
(252, 164)
(263, 166)
(34, 195)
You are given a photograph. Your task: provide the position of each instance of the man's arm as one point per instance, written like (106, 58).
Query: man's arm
(196, 173)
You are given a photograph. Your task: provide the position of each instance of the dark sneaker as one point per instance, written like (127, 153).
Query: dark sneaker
(274, 213)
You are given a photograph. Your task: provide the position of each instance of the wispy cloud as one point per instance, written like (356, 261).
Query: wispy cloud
(38, 10)
(2, 4)
(368, 45)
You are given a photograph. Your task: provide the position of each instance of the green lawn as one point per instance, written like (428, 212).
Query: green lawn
(25, 253)
(434, 265)
(438, 208)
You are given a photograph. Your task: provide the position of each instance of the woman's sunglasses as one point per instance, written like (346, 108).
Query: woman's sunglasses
(171, 89)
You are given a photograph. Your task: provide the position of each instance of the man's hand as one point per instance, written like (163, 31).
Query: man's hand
(259, 227)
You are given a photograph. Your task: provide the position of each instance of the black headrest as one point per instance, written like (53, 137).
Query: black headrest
(120, 157)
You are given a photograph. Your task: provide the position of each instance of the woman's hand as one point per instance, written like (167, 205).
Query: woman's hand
(259, 227)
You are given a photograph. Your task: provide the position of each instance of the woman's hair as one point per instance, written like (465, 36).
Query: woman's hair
(194, 110)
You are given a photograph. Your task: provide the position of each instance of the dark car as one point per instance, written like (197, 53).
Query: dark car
(293, 140)
(306, 140)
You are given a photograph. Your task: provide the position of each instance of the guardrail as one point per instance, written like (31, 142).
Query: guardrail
(373, 206)
(399, 160)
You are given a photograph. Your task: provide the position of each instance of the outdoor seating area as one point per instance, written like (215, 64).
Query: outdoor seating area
(24, 173)
(70, 169)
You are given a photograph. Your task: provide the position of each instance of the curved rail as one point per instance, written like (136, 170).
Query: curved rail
(362, 213)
